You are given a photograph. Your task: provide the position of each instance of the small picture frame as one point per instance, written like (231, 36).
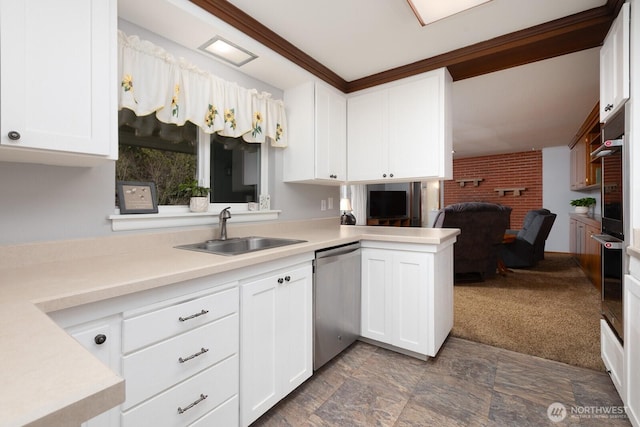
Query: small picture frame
(136, 197)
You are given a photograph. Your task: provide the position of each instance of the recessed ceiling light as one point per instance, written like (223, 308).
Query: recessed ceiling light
(428, 11)
(227, 51)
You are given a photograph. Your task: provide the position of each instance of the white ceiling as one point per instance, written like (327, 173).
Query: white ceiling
(531, 106)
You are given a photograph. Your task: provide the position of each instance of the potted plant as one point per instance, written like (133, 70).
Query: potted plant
(199, 196)
(582, 205)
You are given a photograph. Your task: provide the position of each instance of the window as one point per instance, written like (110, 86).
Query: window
(235, 170)
(168, 155)
(153, 151)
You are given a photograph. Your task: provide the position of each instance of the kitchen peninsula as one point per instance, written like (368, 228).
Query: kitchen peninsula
(49, 379)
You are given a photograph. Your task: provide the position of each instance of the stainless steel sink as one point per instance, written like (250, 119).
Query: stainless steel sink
(240, 245)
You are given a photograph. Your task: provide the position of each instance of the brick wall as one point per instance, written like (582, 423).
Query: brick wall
(499, 171)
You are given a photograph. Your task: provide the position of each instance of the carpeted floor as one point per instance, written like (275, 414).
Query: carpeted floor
(551, 311)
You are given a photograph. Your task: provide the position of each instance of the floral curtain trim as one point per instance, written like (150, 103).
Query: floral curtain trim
(153, 81)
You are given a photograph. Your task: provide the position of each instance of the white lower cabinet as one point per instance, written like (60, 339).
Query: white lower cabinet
(181, 359)
(102, 339)
(276, 338)
(190, 400)
(612, 356)
(407, 295)
(632, 348)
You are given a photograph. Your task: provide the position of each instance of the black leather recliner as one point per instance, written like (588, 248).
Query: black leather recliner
(528, 247)
(482, 227)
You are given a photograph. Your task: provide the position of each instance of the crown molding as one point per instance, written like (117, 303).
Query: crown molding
(570, 34)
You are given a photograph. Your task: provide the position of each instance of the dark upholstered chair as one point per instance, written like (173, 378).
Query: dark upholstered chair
(482, 227)
(528, 247)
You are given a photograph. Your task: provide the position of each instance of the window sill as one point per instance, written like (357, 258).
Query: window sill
(180, 216)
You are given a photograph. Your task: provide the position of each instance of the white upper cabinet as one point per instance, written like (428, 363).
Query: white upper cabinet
(614, 66)
(317, 152)
(58, 65)
(401, 130)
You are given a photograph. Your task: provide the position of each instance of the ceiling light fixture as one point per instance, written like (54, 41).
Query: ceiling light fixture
(428, 11)
(227, 51)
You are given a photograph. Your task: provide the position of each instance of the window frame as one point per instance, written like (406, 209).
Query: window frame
(179, 215)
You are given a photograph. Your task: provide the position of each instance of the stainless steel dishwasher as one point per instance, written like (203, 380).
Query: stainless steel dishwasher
(336, 301)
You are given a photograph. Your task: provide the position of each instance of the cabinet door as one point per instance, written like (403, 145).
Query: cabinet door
(298, 158)
(612, 355)
(259, 384)
(632, 347)
(295, 330)
(276, 338)
(377, 302)
(366, 136)
(331, 134)
(614, 66)
(573, 246)
(593, 249)
(415, 146)
(410, 301)
(57, 75)
(102, 339)
(579, 165)
(606, 79)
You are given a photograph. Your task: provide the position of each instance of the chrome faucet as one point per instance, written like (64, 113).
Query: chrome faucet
(223, 217)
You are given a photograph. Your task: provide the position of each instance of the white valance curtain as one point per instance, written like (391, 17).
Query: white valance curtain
(151, 80)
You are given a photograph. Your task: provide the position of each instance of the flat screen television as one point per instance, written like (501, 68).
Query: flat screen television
(387, 204)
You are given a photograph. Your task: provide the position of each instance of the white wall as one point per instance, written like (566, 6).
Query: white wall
(556, 195)
(41, 203)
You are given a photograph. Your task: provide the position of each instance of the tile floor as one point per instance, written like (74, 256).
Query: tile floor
(467, 384)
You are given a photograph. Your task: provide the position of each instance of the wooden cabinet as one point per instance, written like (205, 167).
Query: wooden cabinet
(585, 171)
(59, 88)
(407, 296)
(390, 222)
(401, 130)
(276, 338)
(614, 66)
(631, 377)
(585, 249)
(102, 339)
(317, 151)
(578, 166)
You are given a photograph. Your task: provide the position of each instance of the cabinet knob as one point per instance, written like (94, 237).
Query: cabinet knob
(609, 107)
(390, 175)
(100, 339)
(384, 175)
(13, 135)
(280, 280)
(287, 278)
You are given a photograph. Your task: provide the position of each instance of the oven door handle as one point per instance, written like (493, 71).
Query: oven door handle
(608, 242)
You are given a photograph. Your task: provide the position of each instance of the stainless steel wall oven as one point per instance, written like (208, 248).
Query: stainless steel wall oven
(614, 199)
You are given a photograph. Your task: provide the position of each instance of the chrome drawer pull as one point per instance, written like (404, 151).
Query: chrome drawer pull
(193, 316)
(194, 355)
(182, 411)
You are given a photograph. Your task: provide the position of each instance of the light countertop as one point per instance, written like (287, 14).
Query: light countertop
(48, 379)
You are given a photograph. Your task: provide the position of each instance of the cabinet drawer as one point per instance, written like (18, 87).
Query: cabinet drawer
(158, 367)
(218, 384)
(612, 355)
(226, 414)
(154, 326)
